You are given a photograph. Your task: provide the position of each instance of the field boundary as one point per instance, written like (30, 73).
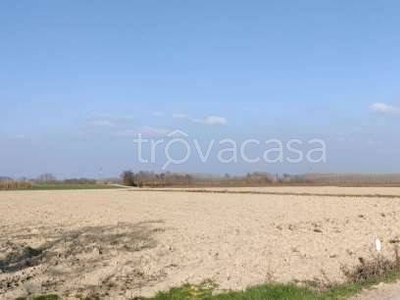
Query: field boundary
(266, 193)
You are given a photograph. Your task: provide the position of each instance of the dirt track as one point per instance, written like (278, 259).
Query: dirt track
(120, 243)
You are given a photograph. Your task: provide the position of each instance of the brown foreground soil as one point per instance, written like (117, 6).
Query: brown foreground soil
(122, 243)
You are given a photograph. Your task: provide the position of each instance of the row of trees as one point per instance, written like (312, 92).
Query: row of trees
(51, 179)
(152, 179)
(14, 185)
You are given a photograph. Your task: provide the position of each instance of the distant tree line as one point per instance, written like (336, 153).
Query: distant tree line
(8, 183)
(152, 179)
(14, 184)
(169, 179)
(48, 178)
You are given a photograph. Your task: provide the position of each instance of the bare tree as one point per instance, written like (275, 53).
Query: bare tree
(128, 178)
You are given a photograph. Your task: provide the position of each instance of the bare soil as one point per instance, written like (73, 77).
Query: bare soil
(122, 243)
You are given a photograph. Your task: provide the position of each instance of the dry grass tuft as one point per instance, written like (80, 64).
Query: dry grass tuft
(370, 270)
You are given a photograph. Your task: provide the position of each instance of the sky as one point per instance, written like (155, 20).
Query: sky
(80, 80)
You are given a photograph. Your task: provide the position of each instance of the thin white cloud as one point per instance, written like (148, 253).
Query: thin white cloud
(385, 108)
(145, 131)
(208, 120)
(104, 120)
(107, 116)
(153, 131)
(158, 113)
(181, 116)
(215, 120)
(102, 123)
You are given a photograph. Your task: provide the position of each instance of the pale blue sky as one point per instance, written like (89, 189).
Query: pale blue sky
(78, 80)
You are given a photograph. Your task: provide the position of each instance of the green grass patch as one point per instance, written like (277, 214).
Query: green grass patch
(44, 297)
(205, 291)
(365, 275)
(272, 291)
(262, 292)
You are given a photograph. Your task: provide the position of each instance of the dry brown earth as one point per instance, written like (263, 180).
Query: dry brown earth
(121, 243)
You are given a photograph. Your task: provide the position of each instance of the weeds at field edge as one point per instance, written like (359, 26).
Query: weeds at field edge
(364, 275)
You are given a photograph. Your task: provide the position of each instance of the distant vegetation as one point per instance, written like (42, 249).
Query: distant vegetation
(129, 178)
(49, 182)
(169, 179)
(15, 185)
